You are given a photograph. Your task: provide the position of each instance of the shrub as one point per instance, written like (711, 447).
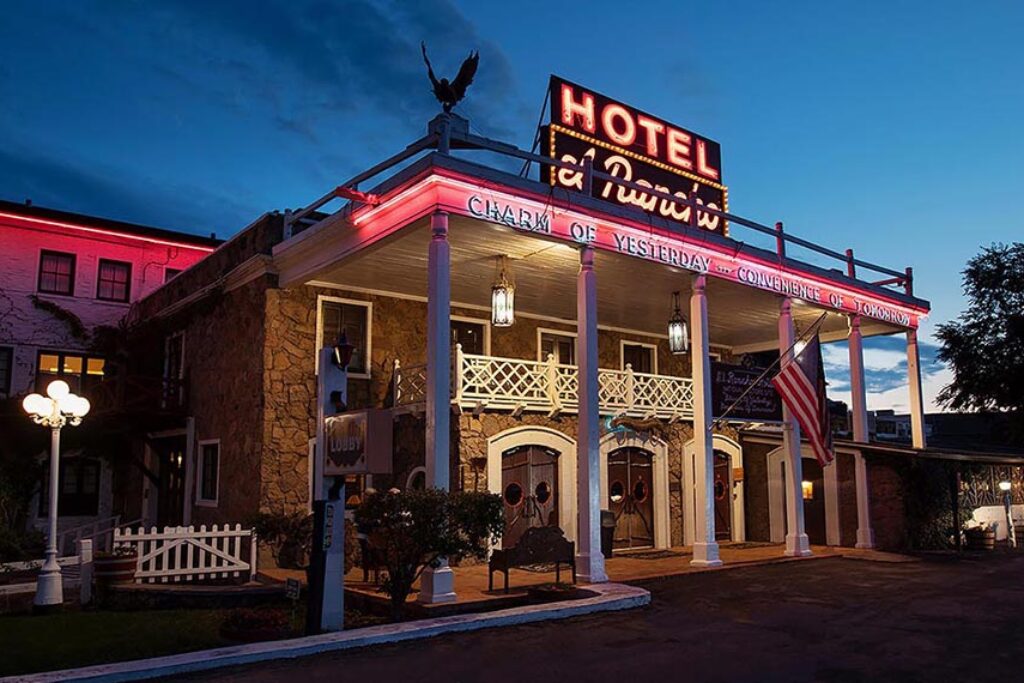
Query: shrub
(414, 530)
(289, 537)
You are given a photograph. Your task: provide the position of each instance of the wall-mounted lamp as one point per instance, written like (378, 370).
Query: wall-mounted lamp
(342, 352)
(807, 488)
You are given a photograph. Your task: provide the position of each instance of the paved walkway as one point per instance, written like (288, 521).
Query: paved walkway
(839, 620)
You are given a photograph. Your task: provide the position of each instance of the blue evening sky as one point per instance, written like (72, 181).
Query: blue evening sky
(891, 127)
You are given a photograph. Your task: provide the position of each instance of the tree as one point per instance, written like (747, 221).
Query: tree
(985, 345)
(413, 530)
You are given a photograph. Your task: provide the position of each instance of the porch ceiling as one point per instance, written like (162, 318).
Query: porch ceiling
(632, 293)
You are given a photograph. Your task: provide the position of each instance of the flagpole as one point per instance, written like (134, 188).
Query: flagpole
(813, 329)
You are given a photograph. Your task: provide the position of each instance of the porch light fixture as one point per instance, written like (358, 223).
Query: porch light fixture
(678, 330)
(1004, 486)
(503, 294)
(342, 352)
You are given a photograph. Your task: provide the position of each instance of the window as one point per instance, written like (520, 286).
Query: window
(57, 273)
(6, 369)
(209, 472)
(79, 489)
(79, 371)
(559, 344)
(114, 281)
(472, 334)
(354, 318)
(171, 273)
(640, 357)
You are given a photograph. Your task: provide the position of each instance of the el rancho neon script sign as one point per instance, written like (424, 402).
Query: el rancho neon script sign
(632, 145)
(534, 217)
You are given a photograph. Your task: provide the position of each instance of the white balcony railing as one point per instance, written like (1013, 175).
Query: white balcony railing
(488, 382)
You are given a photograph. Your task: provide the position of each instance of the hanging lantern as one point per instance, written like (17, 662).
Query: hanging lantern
(503, 294)
(678, 330)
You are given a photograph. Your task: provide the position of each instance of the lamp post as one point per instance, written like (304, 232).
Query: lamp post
(58, 408)
(1011, 532)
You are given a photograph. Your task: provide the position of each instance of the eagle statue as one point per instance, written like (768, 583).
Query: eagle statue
(449, 93)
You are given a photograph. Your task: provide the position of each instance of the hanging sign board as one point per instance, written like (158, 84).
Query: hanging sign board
(729, 382)
(358, 442)
(630, 144)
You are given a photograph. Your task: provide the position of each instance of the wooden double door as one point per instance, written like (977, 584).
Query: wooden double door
(631, 497)
(529, 485)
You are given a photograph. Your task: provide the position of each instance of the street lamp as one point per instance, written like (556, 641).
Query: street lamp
(1011, 532)
(58, 408)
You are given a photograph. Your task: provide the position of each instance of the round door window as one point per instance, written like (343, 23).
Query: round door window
(513, 494)
(719, 489)
(640, 491)
(616, 492)
(543, 492)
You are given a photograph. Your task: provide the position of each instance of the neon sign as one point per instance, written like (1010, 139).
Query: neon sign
(629, 144)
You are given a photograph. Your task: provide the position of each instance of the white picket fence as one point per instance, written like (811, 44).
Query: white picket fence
(189, 554)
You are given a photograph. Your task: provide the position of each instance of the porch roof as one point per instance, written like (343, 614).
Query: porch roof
(383, 248)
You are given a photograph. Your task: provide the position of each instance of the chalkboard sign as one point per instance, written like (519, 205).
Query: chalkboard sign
(728, 382)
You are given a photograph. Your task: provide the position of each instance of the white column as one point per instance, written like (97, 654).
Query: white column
(797, 543)
(865, 534)
(438, 585)
(705, 547)
(589, 560)
(858, 392)
(916, 395)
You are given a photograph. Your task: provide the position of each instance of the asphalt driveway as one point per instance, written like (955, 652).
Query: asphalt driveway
(821, 620)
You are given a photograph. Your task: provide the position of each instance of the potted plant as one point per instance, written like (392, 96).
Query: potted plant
(980, 536)
(116, 567)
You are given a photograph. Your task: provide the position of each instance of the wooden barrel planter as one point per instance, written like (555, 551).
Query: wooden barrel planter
(981, 539)
(115, 570)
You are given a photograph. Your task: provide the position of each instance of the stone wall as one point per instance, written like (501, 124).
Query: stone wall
(224, 363)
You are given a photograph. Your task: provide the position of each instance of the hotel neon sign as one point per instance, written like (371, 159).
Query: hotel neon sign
(467, 198)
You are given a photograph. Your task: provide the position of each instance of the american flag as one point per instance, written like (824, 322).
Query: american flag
(801, 384)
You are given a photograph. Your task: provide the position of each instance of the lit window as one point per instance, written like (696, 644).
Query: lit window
(354, 320)
(209, 471)
(57, 273)
(807, 487)
(114, 281)
(79, 371)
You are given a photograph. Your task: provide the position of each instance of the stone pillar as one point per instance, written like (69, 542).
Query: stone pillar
(589, 560)
(438, 585)
(858, 393)
(705, 547)
(797, 543)
(916, 394)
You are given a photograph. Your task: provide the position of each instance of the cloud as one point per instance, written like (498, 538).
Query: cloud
(885, 372)
(91, 189)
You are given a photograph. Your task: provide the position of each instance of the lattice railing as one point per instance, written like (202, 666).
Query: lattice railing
(480, 382)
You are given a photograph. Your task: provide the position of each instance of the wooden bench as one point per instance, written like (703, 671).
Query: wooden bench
(538, 545)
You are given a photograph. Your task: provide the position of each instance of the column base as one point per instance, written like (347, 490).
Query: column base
(590, 569)
(49, 588)
(437, 585)
(865, 539)
(798, 545)
(705, 555)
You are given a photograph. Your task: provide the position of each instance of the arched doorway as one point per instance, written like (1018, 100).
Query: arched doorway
(565, 465)
(728, 490)
(529, 485)
(631, 497)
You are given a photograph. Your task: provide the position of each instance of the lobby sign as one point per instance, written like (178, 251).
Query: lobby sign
(630, 144)
(358, 442)
(760, 403)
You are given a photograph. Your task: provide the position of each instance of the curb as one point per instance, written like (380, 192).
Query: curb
(611, 597)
